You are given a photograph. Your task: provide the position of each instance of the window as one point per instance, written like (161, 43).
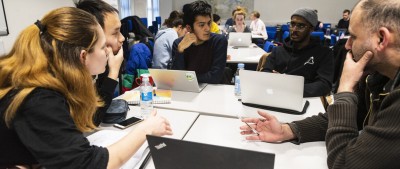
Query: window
(125, 8)
(153, 10)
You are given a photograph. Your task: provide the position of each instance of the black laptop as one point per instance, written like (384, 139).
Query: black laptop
(178, 154)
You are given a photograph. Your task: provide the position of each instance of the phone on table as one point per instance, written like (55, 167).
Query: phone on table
(128, 122)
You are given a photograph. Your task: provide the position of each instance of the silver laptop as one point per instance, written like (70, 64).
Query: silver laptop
(273, 91)
(170, 153)
(180, 80)
(238, 39)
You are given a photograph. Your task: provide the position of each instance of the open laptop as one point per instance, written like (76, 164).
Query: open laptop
(238, 39)
(273, 91)
(180, 80)
(170, 153)
(338, 31)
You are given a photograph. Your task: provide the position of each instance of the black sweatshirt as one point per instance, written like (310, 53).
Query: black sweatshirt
(43, 132)
(314, 62)
(208, 59)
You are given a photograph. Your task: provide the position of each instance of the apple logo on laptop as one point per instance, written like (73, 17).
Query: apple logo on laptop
(240, 39)
(269, 91)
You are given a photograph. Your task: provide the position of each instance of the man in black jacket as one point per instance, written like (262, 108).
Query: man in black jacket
(344, 22)
(304, 55)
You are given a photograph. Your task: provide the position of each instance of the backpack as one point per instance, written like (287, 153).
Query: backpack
(138, 62)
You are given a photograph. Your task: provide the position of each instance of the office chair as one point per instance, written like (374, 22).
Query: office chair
(285, 35)
(268, 46)
(319, 34)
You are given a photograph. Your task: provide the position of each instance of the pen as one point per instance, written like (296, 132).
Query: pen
(145, 161)
(252, 129)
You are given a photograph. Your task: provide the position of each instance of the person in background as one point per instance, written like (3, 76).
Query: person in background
(215, 25)
(49, 101)
(361, 128)
(168, 22)
(107, 17)
(164, 41)
(239, 26)
(345, 21)
(303, 55)
(200, 50)
(320, 25)
(257, 27)
(217, 19)
(231, 21)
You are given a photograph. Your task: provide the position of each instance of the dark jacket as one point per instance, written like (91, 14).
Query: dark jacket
(343, 24)
(43, 132)
(314, 62)
(208, 60)
(361, 129)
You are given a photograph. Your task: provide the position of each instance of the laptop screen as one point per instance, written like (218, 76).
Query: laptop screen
(272, 90)
(239, 39)
(174, 154)
(180, 80)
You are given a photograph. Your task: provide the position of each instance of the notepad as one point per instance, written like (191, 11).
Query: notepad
(161, 96)
(104, 138)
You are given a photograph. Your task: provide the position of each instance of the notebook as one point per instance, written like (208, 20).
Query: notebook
(273, 91)
(170, 153)
(180, 80)
(238, 39)
(161, 96)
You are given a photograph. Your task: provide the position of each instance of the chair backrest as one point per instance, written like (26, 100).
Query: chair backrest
(268, 46)
(285, 35)
(271, 28)
(333, 40)
(285, 27)
(326, 25)
(318, 34)
(271, 31)
(144, 21)
(158, 19)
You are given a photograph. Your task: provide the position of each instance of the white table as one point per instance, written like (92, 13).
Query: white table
(180, 121)
(219, 100)
(225, 132)
(254, 36)
(251, 54)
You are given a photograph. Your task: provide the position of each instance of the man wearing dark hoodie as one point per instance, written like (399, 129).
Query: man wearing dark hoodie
(304, 55)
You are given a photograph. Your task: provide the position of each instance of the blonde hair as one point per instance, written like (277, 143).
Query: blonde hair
(50, 58)
(239, 12)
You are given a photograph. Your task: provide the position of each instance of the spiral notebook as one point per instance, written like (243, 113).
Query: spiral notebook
(161, 96)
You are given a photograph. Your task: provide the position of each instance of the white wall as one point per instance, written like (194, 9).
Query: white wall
(139, 8)
(279, 11)
(22, 13)
(165, 9)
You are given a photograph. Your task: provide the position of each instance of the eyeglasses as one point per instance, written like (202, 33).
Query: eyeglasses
(299, 26)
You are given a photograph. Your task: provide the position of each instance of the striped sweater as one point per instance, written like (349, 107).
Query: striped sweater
(361, 129)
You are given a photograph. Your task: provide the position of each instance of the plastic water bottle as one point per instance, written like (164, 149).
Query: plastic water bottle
(237, 80)
(146, 97)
